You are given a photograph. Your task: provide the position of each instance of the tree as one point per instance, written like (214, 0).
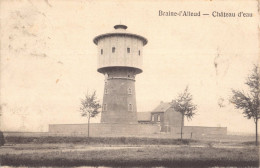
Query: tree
(184, 105)
(89, 107)
(249, 102)
(2, 138)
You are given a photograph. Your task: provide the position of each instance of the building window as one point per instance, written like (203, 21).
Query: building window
(130, 107)
(159, 118)
(106, 92)
(128, 50)
(129, 91)
(139, 52)
(113, 49)
(101, 51)
(152, 117)
(105, 107)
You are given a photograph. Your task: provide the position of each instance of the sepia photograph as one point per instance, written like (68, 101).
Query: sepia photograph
(102, 84)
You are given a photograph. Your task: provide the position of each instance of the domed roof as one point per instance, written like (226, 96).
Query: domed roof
(120, 30)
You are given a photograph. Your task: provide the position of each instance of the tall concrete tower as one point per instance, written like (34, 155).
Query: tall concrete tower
(120, 56)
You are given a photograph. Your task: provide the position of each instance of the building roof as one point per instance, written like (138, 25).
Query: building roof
(144, 116)
(120, 30)
(162, 107)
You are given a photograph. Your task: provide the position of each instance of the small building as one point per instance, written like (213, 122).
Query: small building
(163, 115)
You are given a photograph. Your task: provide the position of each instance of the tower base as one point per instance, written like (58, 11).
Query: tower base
(119, 102)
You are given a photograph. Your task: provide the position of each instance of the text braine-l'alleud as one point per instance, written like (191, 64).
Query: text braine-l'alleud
(198, 13)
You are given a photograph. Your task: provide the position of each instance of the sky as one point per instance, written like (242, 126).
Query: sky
(49, 60)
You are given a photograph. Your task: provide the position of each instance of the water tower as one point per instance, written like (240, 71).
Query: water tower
(120, 55)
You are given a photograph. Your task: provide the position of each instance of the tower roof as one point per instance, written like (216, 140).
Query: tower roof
(120, 26)
(120, 30)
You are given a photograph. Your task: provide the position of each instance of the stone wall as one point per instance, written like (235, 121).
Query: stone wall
(102, 129)
(172, 118)
(197, 131)
(131, 130)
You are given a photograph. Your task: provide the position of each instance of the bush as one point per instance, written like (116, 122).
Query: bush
(97, 140)
(249, 143)
(2, 138)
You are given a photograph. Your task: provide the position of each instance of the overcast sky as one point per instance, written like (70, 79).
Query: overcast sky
(49, 61)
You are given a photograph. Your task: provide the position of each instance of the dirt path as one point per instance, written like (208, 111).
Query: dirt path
(37, 148)
(45, 148)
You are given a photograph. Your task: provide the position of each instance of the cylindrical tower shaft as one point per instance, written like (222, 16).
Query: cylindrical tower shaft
(119, 102)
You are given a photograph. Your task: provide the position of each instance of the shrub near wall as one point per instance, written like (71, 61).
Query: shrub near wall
(96, 140)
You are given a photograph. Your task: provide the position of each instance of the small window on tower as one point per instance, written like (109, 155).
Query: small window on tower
(105, 107)
(128, 50)
(130, 107)
(139, 52)
(101, 51)
(106, 92)
(113, 49)
(129, 91)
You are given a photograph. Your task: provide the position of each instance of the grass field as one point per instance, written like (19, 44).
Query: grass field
(127, 152)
